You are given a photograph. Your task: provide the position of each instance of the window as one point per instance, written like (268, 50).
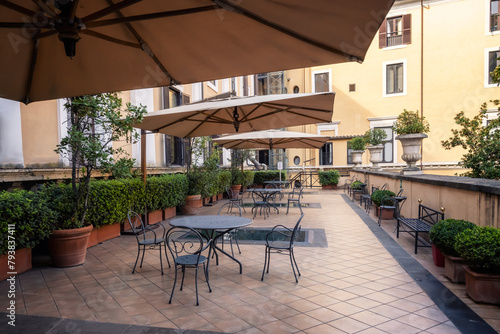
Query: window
(349, 154)
(352, 87)
(264, 157)
(175, 147)
(388, 152)
(213, 84)
(321, 81)
(271, 83)
(395, 31)
(326, 154)
(394, 78)
(491, 62)
(494, 16)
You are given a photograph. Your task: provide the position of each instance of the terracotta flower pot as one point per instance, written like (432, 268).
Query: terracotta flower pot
(437, 256)
(155, 217)
(69, 247)
(193, 202)
(454, 268)
(236, 188)
(482, 288)
(329, 186)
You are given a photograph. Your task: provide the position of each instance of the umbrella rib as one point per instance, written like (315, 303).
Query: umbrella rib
(32, 71)
(111, 39)
(269, 104)
(17, 8)
(239, 10)
(201, 122)
(46, 9)
(109, 10)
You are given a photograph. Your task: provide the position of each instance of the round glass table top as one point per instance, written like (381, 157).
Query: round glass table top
(211, 222)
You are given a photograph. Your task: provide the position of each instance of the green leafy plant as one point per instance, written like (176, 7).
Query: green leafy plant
(357, 185)
(329, 177)
(378, 195)
(482, 144)
(357, 143)
(410, 122)
(249, 177)
(237, 177)
(107, 202)
(443, 234)
(225, 179)
(375, 136)
(29, 214)
(479, 247)
(94, 123)
(261, 176)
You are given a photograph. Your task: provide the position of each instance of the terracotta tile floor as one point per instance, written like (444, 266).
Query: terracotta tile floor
(353, 285)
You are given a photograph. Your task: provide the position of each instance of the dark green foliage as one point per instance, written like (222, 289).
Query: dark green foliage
(357, 144)
(378, 195)
(224, 180)
(443, 234)
(166, 191)
(410, 122)
(135, 194)
(31, 215)
(271, 175)
(356, 185)
(108, 202)
(482, 144)
(375, 136)
(249, 176)
(329, 177)
(61, 199)
(237, 177)
(479, 247)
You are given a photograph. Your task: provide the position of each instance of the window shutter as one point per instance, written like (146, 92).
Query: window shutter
(382, 35)
(185, 99)
(407, 29)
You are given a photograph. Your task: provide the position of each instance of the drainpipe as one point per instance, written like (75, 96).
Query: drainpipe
(422, 75)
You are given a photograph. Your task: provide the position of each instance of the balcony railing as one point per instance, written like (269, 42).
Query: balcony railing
(394, 40)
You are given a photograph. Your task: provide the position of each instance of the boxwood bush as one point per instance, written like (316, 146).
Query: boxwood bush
(135, 191)
(356, 185)
(443, 234)
(249, 177)
(329, 177)
(108, 203)
(32, 217)
(479, 247)
(224, 180)
(271, 175)
(378, 195)
(168, 190)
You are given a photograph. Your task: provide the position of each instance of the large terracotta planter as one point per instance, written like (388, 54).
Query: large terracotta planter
(376, 156)
(22, 263)
(220, 196)
(437, 256)
(482, 288)
(329, 186)
(93, 240)
(192, 204)
(357, 158)
(386, 213)
(169, 213)
(68, 248)
(411, 149)
(155, 217)
(454, 268)
(236, 188)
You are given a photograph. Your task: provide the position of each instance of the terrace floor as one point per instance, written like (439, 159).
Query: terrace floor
(362, 280)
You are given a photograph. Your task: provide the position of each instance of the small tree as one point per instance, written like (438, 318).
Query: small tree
(482, 144)
(375, 136)
(94, 123)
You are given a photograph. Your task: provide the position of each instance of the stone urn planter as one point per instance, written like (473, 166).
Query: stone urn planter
(68, 248)
(376, 156)
(482, 288)
(192, 204)
(357, 158)
(411, 150)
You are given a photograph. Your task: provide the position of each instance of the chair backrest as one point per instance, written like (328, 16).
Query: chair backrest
(296, 192)
(136, 224)
(271, 186)
(384, 186)
(296, 231)
(229, 192)
(230, 209)
(400, 192)
(184, 241)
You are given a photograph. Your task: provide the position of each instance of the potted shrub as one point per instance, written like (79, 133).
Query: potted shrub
(381, 197)
(479, 247)
(237, 180)
(443, 236)
(27, 219)
(411, 130)
(94, 123)
(375, 138)
(357, 145)
(329, 179)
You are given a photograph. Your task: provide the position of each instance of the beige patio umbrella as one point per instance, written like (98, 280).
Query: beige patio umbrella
(272, 139)
(241, 114)
(64, 48)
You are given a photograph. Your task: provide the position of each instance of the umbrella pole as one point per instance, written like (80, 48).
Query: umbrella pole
(143, 170)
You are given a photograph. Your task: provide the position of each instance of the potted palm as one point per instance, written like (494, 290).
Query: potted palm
(329, 179)
(411, 129)
(443, 237)
(357, 145)
(94, 123)
(375, 138)
(479, 247)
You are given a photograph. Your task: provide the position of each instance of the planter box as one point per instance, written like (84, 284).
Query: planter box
(93, 239)
(220, 196)
(437, 256)
(482, 288)
(454, 269)
(22, 263)
(169, 213)
(386, 213)
(155, 217)
(107, 232)
(330, 186)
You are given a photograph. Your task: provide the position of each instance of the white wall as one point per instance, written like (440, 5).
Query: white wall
(11, 136)
(144, 97)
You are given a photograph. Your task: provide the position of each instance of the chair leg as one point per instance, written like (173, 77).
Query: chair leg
(264, 269)
(183, 274)
(296, 266)
(287, 206)
(206, 277)
(268, 259)
(293, 268)
(196, 284)
(173, 287)
(137, 259)
(143, 252)
(161, 261)
(166, 254)
(300, 207)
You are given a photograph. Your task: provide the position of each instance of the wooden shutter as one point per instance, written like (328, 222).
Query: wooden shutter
(407, 29)
(382, 35)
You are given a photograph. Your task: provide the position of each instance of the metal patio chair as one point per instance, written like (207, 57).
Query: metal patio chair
(294, 197)
(230, 209)
(235, 198)
(142, 234)
(186, 246)
(280, 240)
(396, 205)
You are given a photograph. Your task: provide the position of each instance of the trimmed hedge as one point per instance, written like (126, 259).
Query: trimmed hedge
(377, 196)
(443, 234)
(224, 180)
(479, 247)
(271, 175)
(329, 177)
(32, 217)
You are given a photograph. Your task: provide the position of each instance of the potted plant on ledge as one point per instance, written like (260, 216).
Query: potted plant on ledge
(443, 236)
(375, 138)
(411, 130)
(329, 179)
(382, 197)
(479, 247)
(357, 145)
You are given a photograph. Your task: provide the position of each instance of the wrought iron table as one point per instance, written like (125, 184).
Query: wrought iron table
(265, 194)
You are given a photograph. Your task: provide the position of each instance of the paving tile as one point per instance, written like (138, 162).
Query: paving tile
(349, 325)
(302, 321)
(278, 327)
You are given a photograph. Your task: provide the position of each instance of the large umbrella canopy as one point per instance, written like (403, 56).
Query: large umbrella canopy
(242, 114)
(270, 139)
(63, 48)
